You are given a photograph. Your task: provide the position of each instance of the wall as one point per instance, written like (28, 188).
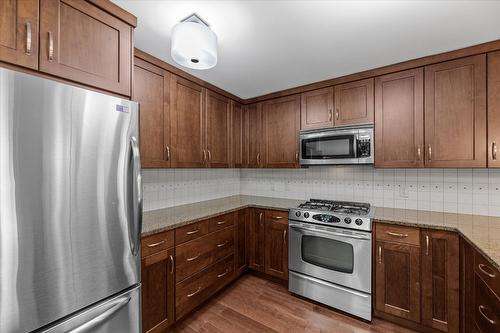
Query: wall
(172, 187)
(465, 191)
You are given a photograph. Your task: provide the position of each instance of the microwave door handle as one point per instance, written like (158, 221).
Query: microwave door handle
(356, 140)
(304, 230)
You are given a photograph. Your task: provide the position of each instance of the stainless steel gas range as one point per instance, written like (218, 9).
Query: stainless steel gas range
(330, 254)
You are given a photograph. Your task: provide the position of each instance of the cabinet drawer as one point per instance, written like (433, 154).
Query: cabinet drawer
(193, 291)
(157, 242)
(487, 272)
(197, 254)
(276, 216)
(398, 234)
(192, 231)
(486, 308)
(220, 222)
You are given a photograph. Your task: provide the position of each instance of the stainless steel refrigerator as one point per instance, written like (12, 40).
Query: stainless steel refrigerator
(70, 208)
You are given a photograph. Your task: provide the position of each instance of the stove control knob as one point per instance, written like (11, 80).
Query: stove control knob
(306, 215)
(359, 221)
(297, 213)
(347, 220)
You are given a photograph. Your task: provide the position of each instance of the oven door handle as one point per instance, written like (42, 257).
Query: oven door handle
(302, 229)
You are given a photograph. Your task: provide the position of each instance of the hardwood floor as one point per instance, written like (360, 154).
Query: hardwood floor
(252, 304)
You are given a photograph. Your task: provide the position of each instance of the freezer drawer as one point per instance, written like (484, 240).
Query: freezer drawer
(121, 313)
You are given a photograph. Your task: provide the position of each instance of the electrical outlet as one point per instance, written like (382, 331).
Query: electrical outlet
(403, 191)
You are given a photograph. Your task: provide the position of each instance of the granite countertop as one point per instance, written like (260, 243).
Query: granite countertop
(483, 232)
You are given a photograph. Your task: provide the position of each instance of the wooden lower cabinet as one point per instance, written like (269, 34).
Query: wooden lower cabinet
(157, 272)
(256, 239)
(276, 244)
(240, 241)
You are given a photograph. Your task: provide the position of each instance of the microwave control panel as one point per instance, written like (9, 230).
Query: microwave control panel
(364, 144)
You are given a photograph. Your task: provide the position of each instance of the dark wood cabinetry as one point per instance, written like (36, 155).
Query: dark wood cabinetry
(399, 119)
(354, 103)
(217, 130)
(276, 244)
(256, 240)
(493, 109)
(240, 240)
(19, 32)
(186, 124)
(151, 90)
(81, 42)
(440, 280)
(455, 113)
(238, 148)
(281, 132)
(157, 274)
(316, 110)
(253, 135)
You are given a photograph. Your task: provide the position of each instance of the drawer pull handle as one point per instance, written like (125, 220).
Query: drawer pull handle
(156, 244)
(221, 222)
(171, 257)
(223, 274)
(192, 294)
(192, 232)
(396, 234)
(277, 217)
(193, 258)
(223, 244)
(486, 270)
(482, 309)
(28, 38)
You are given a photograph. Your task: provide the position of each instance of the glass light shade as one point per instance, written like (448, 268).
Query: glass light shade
(194, 45)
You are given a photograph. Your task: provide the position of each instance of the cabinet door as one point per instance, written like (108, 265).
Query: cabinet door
(440, 280)
(354, 103)
(217, 129)
(237, 135)
(253, 135)
(82, 43)
(151, 90)
(19, 32)
(281, 132)
(455, 113)
(276, 247)
(157, 273)
(493, 109)
(240, 255)
(316, 110)
(256, 240)
(397, 280)
(186, 124)
(399, 119)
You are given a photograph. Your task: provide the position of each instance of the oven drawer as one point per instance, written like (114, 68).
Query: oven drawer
(397, 233)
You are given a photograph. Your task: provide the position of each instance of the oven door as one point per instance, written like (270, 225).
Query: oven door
(330, 147)
(336, 255)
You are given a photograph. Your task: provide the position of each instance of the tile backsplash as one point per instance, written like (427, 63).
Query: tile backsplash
(466, 191)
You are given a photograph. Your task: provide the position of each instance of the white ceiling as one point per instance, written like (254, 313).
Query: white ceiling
(266, 46)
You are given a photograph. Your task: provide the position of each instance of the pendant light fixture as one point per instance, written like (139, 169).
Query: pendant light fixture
(194, 44)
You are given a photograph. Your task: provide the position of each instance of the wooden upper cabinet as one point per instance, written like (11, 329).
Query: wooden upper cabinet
(186, 124)
(440, 280)
(316, 110)
(354, 103)
(81, 42)
(253, 135)
(19, 32)
(237, 135)
(494, 109)
(151, 90)
(276, 245)
(217, 129)
(399, 119)
(455, 113)
(281, 132)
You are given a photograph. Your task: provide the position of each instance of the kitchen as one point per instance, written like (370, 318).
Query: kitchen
(190, 166)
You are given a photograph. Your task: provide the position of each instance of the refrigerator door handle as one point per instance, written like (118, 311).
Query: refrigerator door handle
(116, 305)
(137, 195)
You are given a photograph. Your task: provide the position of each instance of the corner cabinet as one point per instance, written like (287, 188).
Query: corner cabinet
(281, 132)
(81, 42)
(276, 244)
(253, 135)
(493, 110)
(238, 149)
(256, 240)
(19, 32)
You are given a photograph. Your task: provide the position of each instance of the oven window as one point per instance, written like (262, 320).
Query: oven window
(338, 146)
(328, 253)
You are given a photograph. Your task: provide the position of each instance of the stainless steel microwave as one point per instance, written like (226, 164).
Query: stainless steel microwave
(347, 145)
